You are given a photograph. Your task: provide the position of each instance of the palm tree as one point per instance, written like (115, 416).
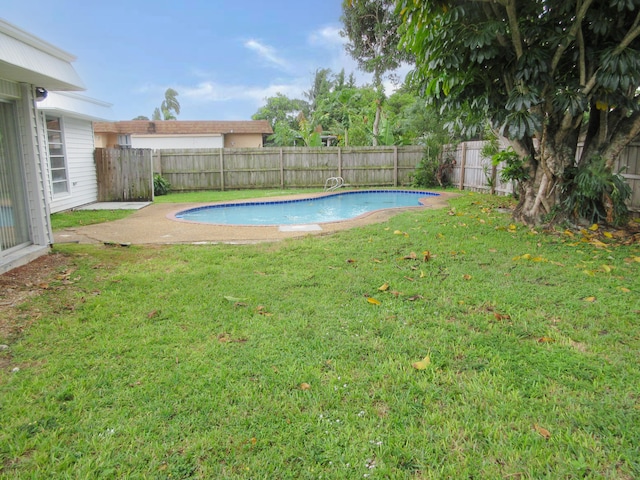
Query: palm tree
(169, 104)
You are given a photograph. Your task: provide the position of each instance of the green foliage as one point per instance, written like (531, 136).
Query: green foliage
(596, 194)
(169, 109)
(513, 168)
(283, 135)
(281, 109)
(170, 106)
(161, 185)
(371, 27)
(546, 74)
(435, 168)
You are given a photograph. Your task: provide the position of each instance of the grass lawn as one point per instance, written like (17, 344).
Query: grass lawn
(440, 344)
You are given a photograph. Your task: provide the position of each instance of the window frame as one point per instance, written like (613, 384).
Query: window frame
(61, 147)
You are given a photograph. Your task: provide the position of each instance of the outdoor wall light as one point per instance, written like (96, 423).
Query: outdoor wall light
(41, 94)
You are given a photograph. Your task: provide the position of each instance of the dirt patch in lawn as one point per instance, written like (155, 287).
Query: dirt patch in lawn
(19, 285)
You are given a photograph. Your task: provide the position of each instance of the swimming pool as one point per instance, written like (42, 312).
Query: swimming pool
(327, 208)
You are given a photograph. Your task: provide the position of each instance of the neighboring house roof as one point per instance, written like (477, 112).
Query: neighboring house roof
(29, 59)
(77, 106)
(183, 127)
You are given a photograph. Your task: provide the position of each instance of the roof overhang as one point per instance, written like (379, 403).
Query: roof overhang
(27, 59)
(77, 106)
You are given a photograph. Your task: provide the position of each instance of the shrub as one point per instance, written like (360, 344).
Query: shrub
(434, 169)
(161, 185)
(594, 193)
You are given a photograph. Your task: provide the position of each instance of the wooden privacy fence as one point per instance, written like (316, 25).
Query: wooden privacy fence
(474, 172)
(287, 167)
(127, 174)
(124, 175)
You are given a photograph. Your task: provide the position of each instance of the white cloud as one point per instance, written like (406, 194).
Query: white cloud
(328, 36)
(214, 92)
(267, 53)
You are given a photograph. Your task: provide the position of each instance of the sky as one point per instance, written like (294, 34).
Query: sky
(223, 57)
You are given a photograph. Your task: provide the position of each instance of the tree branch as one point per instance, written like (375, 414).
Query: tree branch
(628, 130)
(573, 31)
(631, 35)
(516, 38)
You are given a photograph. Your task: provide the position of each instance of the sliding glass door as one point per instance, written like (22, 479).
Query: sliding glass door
(14, 223)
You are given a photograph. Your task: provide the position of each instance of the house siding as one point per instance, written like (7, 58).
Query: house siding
(83, 187)
(158, 142)
(234, 140)
(31, 139)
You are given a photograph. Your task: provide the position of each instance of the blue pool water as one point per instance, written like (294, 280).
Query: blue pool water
(328, 208)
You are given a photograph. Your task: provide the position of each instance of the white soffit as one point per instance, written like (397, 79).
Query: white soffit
(26, 58)
(75, 105)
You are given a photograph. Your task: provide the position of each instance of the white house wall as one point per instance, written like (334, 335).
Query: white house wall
(164, 142)
(81, 169)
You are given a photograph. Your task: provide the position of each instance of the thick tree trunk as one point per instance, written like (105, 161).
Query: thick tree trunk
(376, 123)
(540, 192)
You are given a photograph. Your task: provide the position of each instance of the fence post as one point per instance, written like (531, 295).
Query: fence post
(463, 161)
(395, 165)
(281, 169)
(339, 162)
(494, 178)
(221, 170)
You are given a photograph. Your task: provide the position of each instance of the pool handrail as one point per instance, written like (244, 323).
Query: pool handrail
(333, 183)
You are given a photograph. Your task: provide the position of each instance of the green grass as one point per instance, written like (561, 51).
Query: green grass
(188, 361)
(78, 218)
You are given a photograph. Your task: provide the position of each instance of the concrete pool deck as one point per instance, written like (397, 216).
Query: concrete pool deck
(152, 225)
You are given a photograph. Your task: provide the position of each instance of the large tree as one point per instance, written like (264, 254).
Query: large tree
(371, 27)
(548, 74)
(281, 108)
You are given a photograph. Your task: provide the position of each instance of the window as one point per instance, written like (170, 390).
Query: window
(124, 141)
(57, 160)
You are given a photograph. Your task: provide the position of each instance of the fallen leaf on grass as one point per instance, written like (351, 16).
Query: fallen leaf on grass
(262, 310)
(152, 313)
(542, 431)
(411, 256)
(546, 340)
(467, 277)
(422, 364)
(426, 256)
(413, 298)
(502, 316)
(589, 299)
(384, 287)
(373, 301)
(305, 386)
(226, 338)
(624, 289)
(594, 227)
(350, 260)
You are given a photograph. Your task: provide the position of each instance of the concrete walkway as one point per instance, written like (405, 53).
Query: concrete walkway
(153, 224)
